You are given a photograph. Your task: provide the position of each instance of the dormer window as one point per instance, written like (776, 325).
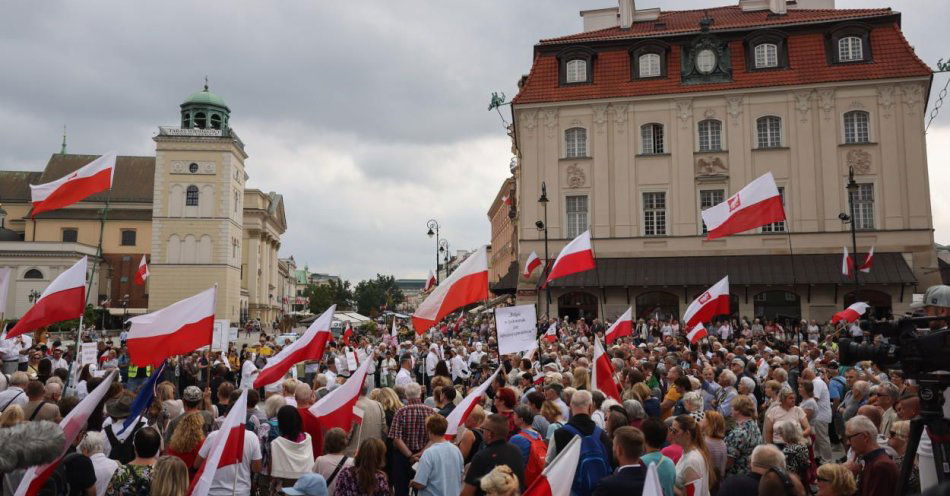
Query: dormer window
(850, 49)
(575, 65)
(576, 71)
(648, 60)
(766, 50)
(849, 43)
(649, 65)
(766, 55)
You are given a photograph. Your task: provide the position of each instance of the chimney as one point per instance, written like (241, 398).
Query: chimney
(627, 9)
(778, 6)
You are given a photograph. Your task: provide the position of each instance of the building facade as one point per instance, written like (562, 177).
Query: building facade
(503, 261)
(648, 117)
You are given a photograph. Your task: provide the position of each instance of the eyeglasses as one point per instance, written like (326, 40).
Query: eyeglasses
(849, 437)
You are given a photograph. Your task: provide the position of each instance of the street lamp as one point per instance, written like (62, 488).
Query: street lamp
(852, 188)
(543, 226)
(433, 226)
(125, 307)
(444, 248)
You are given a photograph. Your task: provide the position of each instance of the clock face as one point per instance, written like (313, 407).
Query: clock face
(705, 61)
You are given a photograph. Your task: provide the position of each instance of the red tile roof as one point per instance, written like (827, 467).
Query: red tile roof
(892, 57)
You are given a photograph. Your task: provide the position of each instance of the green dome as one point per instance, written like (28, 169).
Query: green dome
(205, 97)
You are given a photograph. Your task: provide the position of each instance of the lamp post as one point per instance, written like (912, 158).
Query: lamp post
(125, 307)
(444, 248)
(852, 188)
(543, 226)
(433, 226)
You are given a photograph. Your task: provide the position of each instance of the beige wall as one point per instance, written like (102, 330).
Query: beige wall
(88, 233)
(261, 276)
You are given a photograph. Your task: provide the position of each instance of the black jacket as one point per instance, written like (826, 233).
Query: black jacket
(625, 482)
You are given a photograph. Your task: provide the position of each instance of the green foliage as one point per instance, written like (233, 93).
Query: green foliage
(373, 295)
(323, 295)
(368, 328)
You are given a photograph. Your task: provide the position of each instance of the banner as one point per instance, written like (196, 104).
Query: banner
(87, 353)
(517, 328)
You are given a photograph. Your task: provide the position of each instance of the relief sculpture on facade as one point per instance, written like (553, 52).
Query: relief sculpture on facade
(710, 166)
(576, 177)
(860, 160)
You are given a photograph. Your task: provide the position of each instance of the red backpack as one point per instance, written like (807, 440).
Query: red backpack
(536, 455)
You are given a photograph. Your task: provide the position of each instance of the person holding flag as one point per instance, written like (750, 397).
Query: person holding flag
(228, 456)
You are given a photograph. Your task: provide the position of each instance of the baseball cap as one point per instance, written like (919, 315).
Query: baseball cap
(936, 296)
(192, 393)
(308, 485)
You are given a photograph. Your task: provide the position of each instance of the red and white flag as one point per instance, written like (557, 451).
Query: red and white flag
(63, 299)
(507, 200)
(467, 284)
(652, 486)
(338, 407)
(6, 273)
(88, 180)
(430, 282)
(694, 488)
(868, 261)
(182, 327)
(577, 256)
(847, 263)
(347, 334)
(697, 333)
(228, 447)
(73, 424)
(464, 408)
(142, 274)
(551, 334)
(621, 327)
(310, 346)
(714, 301)
(533, 263)
(757, 204)
(558, 477)
(603, 373)
(852, 313)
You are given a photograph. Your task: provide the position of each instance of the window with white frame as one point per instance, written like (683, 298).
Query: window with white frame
(709, 198)
(766, 55)
(768, 132)
(710, 135)
(575, 141)
(576, 71)
(650, 65)
(576, 215)
(850, 49)
(780, 225)
(651, 138)
(856, 127)
(864, 207)
(654, 213)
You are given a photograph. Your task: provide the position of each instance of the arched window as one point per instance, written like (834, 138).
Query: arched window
(850, 49)
(766, 55)
(200, 120)
(184, 120)
(710, 135)
(856, 127)
(191, 196)
(33, 274)
(769, 131)
(657, 304)
(651, 139)
(576, 71)
(215, 121)
(575, 141)
(650, 65)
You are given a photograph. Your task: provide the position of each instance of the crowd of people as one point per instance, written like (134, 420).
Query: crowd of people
(756, 408)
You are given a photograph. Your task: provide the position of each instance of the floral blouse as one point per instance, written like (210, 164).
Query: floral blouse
(740, 442)
(347, 485)
(796, 458)
(130, 480)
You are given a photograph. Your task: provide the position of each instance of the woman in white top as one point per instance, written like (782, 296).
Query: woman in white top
(292, 451)
(696, 463)
(785, 409)
(333, 460)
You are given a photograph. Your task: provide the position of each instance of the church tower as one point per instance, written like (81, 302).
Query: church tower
(197, 217)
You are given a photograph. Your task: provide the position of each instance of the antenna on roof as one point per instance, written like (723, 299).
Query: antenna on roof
(206, 82)
(62, 149)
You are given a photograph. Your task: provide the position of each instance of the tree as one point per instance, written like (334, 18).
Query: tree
(333, 293)
(373, 295)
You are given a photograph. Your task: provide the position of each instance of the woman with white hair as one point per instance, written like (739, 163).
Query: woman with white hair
(635, 412)
(746, 388)
(693, 403)
(795, 448)
(92, 446)
(784, 409)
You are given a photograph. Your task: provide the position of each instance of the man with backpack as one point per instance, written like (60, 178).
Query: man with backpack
(530, 442)
(595, 461)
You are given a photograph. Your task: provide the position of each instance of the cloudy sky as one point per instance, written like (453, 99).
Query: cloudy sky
(369, 117)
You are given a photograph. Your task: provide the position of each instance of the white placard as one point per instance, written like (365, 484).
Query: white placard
(233, 334)
(87, 353)
(220, 335)
(517, 328)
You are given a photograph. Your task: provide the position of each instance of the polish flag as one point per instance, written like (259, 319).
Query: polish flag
(179, 328)
(6, 273)
(228, 447)
(465, 407)
(621, 327)
(652, 486)
(603, 376)
(63, 299)
(551, 334)
(577, 256)
(142, 274)
(852, 313)
(88, 180)
(430, 282)
(337, 408)
(73, 424)
(507, 200)
(868, 261)
(347, 334)
(714, 301)
(847, 263)
(757, 204)
(310, 346)
(533, 263)
(467, 284)
(558, 477)
(697, 333)
(694, 488)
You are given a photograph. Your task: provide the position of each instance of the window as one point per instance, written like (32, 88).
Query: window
(654, 214)
(780, 225)
(200, 120)
(576, 215)
(575, 140)
(710, 135)
(769, 131)
(651, 136)
(705, 61)
(33, 274)
(575, 65)
(864, 207)
(237, 200)
(650, 65)
(850, 49)
(856, 127)
(128, 237)
(576, 71)
(191, 196)
(215, 121)
(124, 279)
(234, 247)
(709, 198)
(766, 55)
(70, 235)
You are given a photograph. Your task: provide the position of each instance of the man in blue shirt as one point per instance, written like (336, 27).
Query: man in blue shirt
(439, 470)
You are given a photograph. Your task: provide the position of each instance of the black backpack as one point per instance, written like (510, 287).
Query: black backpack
(122, 452)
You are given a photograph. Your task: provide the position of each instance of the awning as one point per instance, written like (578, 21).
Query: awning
(508, 284)
(889, 268)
